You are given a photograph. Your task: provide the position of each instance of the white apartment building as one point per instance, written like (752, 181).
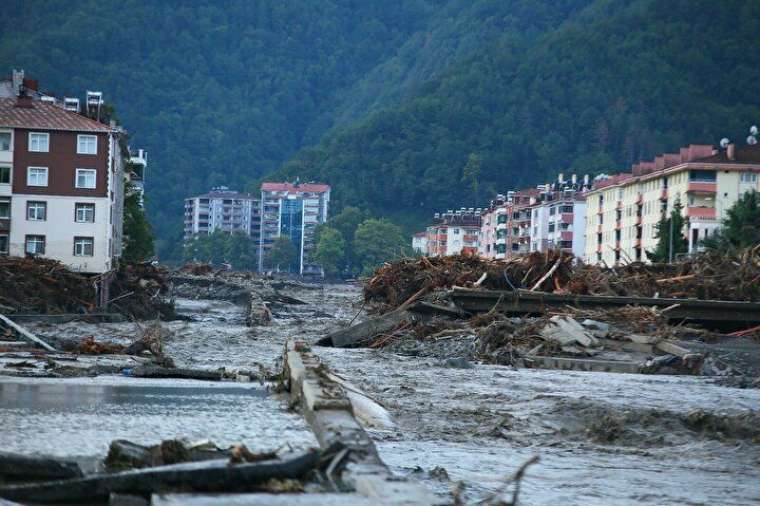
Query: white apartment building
(223, 209)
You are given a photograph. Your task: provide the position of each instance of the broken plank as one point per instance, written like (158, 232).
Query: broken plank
(26, 334)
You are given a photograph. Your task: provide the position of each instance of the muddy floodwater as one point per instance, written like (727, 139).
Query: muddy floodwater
(602, 438)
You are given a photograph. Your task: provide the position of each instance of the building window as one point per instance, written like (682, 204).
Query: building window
(85, 178)
(87, 144)
(5, 210)
(5, 141)
(36, 211)
(84, 246)
(702, 176)
(84, 213)
(4, 244)
(35, 244)
(748, 177)
(5, 175)
(39, 142)
(37, 176)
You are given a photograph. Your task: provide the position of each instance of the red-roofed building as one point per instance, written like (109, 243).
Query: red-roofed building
(61, 181)
(293, 210)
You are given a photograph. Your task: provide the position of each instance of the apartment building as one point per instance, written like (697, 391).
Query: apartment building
(293, 210)
(61, 181)
(419, 242)
(623, 210)
(558, 217)
(136, 170)
(494, 220)
(223, 209)
(454, 232)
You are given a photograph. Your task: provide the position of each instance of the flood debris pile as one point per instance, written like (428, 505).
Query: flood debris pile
(136, 472)
(734, 277)
(42, 286)
(549, 310)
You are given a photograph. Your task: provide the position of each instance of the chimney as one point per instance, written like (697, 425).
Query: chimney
(23, 101)
(586, 180)
(17, 80)
(560, 178)
(731, 151)
(574, 179)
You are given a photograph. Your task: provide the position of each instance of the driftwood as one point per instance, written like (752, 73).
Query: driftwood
(26, 468)
(210, 476)
(151, 371)
(26, 334)
(362, 333)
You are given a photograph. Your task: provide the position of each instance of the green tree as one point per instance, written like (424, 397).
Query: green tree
(282, 255)
(138, 235)
(377, 241)
(211, 248)
(331, 252)
(471, 176)
(741, 227)
(240, 252)
(667, 249)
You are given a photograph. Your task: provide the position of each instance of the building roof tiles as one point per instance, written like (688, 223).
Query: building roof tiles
(45, 116)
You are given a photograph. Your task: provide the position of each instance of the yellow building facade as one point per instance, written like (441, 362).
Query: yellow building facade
(623, 210)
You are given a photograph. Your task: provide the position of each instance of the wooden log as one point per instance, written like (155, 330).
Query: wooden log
(362, 333)
(26, 334)
(210, 476)
(546, 276)
(24, 467)
(153, 371)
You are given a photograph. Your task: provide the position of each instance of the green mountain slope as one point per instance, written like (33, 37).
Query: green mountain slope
(219, 93)
(619, 81)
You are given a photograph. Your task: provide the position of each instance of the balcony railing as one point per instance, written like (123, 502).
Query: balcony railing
(701, 213)
(702, 187)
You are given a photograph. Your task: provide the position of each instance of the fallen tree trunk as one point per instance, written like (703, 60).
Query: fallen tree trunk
(362, 333)
(151, 371)
(210, 476)
(26, 334)
(25, 467)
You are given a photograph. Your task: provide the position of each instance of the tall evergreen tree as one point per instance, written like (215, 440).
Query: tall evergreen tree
(741, 227)
(138, 234)
(668, 248)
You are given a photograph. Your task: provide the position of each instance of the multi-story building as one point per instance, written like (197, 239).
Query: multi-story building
(558, 217)
(136, 171)
(293, 210)
(223, 209)
(624, 210)
(492, 242)
(61, 182)
(454, 232)
(419, 242)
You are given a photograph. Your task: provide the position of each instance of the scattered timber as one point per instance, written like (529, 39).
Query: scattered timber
(28, 468)
(152, 371)
(210, 476)
(26, 334)
(362, 333)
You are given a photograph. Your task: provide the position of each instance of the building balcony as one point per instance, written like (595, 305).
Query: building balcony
(599, 229)
(618, 224)
(598, 248)
(702, 187)
(664, 194)
(617, 246)
(567, 217)
(701, 213)
(637, 243)
(600, 211)
(640, 199)
(566, 235)
(619, 205)
(638, 220)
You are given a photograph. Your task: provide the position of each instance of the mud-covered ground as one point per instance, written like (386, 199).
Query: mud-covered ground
(601, 438)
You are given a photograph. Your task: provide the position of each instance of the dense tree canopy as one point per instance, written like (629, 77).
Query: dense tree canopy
(741, 227)
(405, 107)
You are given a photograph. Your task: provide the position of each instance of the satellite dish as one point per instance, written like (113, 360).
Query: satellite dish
(751, 140)
(753, 130)
(724, 142)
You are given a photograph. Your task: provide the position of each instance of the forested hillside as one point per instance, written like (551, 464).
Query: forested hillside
(388, 101)
(618, 82)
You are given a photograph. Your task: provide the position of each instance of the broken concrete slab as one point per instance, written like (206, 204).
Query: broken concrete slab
(568, 332)
(580, 364)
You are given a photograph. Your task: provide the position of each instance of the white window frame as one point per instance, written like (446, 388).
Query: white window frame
(7, 203)
(10, 140)
(80, 246)
(748, 176)
(29, 176)
(35, 205)
(82, 206)
(87, 145)
(27, 243)
(37, 149)
(94, 173)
